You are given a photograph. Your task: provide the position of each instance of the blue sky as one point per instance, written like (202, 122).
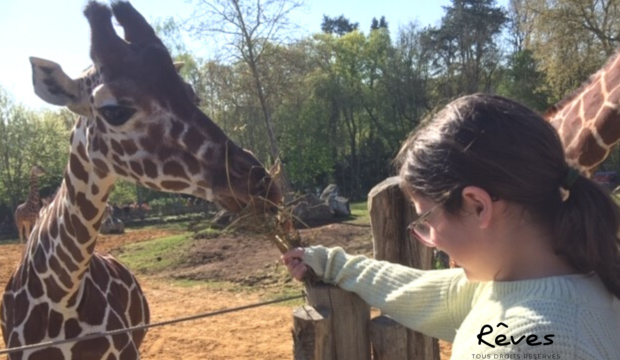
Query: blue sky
(57, 30)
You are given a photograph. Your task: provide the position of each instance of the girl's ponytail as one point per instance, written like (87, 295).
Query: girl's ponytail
(587, 226)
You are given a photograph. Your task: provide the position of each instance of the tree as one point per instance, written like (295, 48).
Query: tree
(338, 25)
(520, 24)
(378, 24)
(522, 81)
(467, 54)
(570, 39)
(249, 26)
(169, 31)
(403, 89)
(30, 138)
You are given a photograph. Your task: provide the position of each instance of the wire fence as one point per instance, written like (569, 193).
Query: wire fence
(147, 326)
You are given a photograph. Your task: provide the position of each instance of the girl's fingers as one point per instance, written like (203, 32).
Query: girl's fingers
(294, 264)
(299, 271)
(296, 253)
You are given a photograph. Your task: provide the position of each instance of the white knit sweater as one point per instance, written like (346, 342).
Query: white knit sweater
(575, 316)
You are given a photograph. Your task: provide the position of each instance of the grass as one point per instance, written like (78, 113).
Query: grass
(207, 233)
(209, 284)
(162, 255)
(359, 213)
(172, 226)
(286, 291)
(156, 255)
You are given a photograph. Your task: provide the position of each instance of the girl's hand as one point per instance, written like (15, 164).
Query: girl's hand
(294, 264)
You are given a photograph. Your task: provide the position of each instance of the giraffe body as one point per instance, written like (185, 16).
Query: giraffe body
(138, 121)
(26, 214)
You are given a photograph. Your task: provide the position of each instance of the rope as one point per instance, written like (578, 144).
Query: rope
(146, 326)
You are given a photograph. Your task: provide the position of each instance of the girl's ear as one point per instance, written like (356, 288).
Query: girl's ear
(478, 202)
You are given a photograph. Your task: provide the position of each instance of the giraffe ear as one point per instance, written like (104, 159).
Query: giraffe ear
(178, 65)
(52, 85)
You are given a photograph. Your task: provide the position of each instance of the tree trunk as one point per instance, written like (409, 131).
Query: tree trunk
(252, 63)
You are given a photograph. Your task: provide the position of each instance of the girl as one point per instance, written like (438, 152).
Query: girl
(537, 242)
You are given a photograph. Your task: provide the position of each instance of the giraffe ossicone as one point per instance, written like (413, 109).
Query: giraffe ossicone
(138, 121)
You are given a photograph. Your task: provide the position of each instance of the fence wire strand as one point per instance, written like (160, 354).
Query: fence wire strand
(146, 326)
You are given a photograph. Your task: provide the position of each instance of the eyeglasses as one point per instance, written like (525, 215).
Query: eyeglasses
(421, 229)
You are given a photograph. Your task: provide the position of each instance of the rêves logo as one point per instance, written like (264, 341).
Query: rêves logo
(501, 340)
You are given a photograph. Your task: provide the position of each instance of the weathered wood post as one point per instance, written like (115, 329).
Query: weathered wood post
(390, 213)
(334, 325)
(312, 336)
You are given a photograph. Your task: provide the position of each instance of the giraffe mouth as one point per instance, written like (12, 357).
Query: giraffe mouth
(264, 196)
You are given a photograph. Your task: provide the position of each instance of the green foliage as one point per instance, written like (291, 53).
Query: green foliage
(522, 81)
(466, 44)
(124, 192)
(337, 25)
(341, 102)
(378, 24)
(305, 147)
(570, 39)
(29, 138)
(170, 33)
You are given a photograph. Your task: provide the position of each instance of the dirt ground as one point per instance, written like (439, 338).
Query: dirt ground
(261, 333)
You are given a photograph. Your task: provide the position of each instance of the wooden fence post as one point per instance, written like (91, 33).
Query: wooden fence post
(390, 213)
(388, 338)
(312, 336)
(341, 322)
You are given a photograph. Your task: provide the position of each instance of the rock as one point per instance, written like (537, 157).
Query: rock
(112, 225)
(340, 206)
(330, 191)
(223, 218)
(306, 213)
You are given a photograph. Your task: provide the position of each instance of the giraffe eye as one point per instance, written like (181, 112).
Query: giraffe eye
(116, 115)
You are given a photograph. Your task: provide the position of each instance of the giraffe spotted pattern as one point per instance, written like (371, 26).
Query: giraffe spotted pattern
(137, 121)
(588, 119)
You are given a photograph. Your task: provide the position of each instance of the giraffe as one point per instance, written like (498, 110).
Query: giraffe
(137, 121)
(588, 119)
(26, 214)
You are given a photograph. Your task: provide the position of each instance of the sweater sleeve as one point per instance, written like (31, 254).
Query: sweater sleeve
(432, 302)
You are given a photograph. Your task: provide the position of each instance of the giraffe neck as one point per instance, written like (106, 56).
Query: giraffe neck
(33, 195)
(67, 230)
(588, 121)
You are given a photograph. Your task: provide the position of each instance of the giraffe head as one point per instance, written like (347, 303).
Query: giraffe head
(140, 120)
(37, 171)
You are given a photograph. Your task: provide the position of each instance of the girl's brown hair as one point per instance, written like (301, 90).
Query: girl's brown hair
(514, 154)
